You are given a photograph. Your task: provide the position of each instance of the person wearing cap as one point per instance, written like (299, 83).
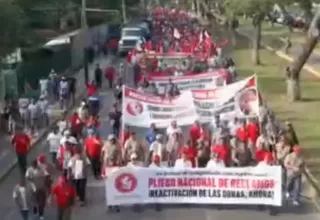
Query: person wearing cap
(78, 171)
(37, 177)
(157, 148)
(183, 162)
(133, 145)
(294, 165)
(93, 147)
(111, 152)
(64, 195)
(66, 151)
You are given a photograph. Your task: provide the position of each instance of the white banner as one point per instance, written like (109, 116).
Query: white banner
(141, 110)
(246, 186)
(210, 80)
(238, 99)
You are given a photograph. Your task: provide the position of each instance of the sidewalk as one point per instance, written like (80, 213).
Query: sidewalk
(7, 155)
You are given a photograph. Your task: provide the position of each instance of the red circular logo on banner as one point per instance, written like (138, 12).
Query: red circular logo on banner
(134, 108)
(126, 183)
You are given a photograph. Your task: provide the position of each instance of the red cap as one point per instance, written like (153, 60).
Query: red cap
(156, 159)
(297, 149)
(42, 158)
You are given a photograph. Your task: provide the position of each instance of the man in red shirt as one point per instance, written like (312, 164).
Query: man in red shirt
(21, 144)
(64, 195)
(93, 148)
(91, 89)
(195, 132)
(110, 73)
(222, 150)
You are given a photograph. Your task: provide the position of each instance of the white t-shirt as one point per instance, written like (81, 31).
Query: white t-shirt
(23, 193)
(63, 140)
(182, 164)
(157, 148)
(54, 142)
(215, 164)
(77, 167)
(171, 130)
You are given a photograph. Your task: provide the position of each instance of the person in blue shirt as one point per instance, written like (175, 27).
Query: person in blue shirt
(151, 134)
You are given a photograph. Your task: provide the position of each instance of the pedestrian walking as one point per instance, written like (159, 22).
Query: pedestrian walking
(21, 143)
(93, 148)
(53, 140)
(23, 198)
(78, 172)
(34, 112)
(64, 195)
(98, 76)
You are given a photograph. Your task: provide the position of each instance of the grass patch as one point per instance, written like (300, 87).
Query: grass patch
(304, 115)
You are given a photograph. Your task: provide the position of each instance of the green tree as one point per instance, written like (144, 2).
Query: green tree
(293, 76)
(256, 9)
(12, 21)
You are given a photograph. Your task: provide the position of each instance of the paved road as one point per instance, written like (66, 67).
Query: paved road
(96, 202)
(277, 43)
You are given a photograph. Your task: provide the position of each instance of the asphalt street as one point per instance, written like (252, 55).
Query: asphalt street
(96, 208)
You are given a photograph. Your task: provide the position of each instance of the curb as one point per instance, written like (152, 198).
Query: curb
(41, 137)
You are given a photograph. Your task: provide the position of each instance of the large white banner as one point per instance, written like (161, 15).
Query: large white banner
(246, 186)
(141, 109)
(238, 99)
(210, 80)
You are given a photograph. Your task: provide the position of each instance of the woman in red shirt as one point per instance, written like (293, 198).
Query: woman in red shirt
(91, 89)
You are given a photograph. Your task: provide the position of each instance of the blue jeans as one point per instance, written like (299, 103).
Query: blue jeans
(24, 214)
(294, 187)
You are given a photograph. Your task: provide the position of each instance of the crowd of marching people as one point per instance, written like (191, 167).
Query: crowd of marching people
(76, 146)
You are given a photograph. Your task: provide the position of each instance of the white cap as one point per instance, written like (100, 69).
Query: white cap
(72, 140)
(133, 156)
(158, 136)
(111, 136)
(66, 133)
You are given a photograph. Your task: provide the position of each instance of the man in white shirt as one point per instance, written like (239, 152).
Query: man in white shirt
(214, 162)
(62, 125)
(183, 162)
(157, 148)
(23, 194)
(53, 140)
(173, 128)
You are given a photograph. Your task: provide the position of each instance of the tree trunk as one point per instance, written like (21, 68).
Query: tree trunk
(256, 40)
(293, 88)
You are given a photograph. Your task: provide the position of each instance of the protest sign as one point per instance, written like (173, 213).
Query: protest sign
(210, 80)
(245, 186)
(141, 110)
(238, 99)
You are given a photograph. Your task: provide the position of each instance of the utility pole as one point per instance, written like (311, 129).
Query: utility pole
(124, 11)
(84, 26)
